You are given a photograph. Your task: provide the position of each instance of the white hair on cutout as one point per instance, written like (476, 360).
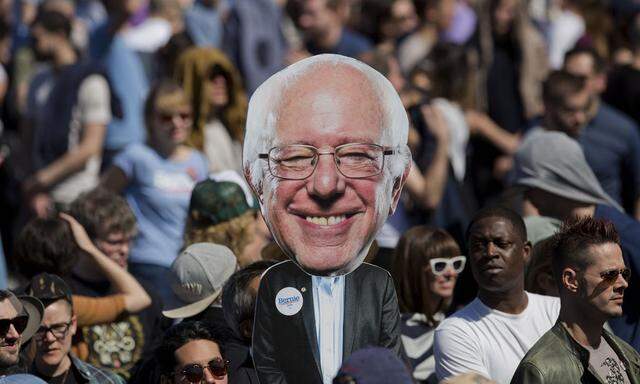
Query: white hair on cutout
(264, 105)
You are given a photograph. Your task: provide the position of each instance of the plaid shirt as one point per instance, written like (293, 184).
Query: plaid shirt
(95, 375)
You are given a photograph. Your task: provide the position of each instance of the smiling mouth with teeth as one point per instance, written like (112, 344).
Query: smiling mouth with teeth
(330, 220)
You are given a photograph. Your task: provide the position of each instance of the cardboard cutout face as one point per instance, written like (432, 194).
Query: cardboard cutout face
(335, 173)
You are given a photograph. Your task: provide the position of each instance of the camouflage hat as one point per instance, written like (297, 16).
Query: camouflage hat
(216, 202)
(47, 287)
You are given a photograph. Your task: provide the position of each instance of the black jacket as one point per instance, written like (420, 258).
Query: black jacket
(285, 349)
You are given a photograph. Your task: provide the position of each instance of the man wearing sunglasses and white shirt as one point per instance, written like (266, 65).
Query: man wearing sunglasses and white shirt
(590, 271)
(19, 320)
(492, 333)
(53, 362)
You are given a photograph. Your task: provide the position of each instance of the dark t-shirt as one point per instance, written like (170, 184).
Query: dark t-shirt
(72, 376)
(119, 345)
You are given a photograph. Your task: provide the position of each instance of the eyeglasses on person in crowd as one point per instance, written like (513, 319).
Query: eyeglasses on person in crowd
(611, 276)
(353, 160)
(18, 322)
(194, 373)
(57, 330)
(440, 264)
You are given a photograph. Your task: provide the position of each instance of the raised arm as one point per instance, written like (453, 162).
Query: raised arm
(135, 297)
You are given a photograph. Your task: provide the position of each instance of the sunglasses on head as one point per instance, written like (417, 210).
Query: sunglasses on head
(18, 322)
(440, 264)
(611, 276)
(194, 373)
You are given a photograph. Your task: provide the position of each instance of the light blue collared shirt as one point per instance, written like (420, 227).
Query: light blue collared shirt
(328, 310)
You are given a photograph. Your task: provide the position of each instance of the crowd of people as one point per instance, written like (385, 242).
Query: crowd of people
(161, 161)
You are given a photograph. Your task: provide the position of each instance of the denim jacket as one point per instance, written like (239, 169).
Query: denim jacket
(91, 374)
(558, 358)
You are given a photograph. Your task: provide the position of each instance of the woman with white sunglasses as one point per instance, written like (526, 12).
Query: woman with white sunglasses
(426, 266)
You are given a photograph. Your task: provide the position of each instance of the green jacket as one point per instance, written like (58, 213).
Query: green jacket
(558, 359)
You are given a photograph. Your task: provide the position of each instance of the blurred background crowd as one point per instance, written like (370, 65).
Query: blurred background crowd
(127, 117)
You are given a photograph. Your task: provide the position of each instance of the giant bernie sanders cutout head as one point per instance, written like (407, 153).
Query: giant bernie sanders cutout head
(325, 152)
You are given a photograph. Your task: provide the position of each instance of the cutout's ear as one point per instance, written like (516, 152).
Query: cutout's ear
(398, 183)
(257, 191)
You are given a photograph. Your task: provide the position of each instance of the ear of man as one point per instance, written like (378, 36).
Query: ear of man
(255, 189)
(570, 280)
(398, 183)
(527, 251)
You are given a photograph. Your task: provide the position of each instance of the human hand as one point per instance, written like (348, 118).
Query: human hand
(436, 124)
(79, 233)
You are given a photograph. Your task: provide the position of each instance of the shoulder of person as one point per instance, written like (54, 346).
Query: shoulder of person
(617, 120)
(460, 321)
(548, 302)
(282, 270)
(136, 150)
(95, 81)
(96, 375)
(629, 352)
(371, 269)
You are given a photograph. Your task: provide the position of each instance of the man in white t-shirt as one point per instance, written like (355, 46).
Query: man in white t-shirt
(492, 334)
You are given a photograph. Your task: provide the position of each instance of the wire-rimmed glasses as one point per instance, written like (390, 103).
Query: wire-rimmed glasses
(353, 160)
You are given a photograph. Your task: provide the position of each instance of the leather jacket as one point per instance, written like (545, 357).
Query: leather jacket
(558, 358)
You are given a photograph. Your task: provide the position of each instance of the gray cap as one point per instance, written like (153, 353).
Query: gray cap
(21, 378)
(30, 306)
(198, 275)
(540, 227)
(555, 163)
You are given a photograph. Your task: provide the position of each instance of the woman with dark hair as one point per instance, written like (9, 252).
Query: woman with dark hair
(425, 268)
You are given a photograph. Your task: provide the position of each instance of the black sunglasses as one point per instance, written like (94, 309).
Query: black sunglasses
(18, 322)
(611, 276)
(194, 373)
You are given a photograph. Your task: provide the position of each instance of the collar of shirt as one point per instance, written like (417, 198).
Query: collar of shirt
(328, 309)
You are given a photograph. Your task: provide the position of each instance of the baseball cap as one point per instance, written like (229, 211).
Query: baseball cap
(218, 201)
(373, 365)
(32, 307)
(198, 275)
(21, 378)
(48, 287)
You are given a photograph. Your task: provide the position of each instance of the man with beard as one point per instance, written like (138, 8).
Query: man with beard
(19, 320)
(492, 333)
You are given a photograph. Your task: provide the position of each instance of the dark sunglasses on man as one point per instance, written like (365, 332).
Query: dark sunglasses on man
(194, 373)
(18, 322)
(611, 276)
